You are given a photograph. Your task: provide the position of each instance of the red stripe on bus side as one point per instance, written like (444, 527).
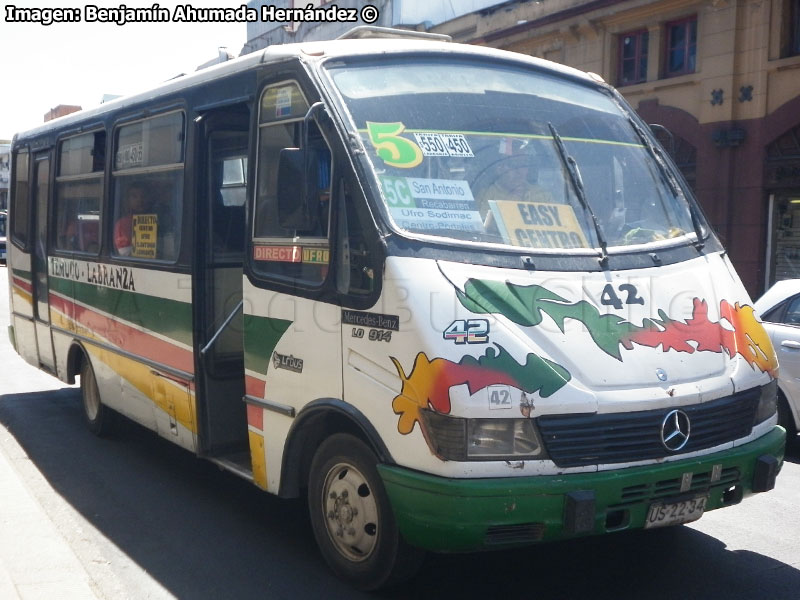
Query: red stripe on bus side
(25, 285)
(254, 386)
(255, 417)
(125, 337)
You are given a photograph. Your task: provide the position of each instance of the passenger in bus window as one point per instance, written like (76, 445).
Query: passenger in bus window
(68, 237)
(135, 203)
(163, 207)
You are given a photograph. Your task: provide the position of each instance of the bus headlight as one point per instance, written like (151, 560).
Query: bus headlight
(767, 402)
(454, 438)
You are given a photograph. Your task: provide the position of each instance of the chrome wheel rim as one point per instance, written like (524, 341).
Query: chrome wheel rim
(350, 512)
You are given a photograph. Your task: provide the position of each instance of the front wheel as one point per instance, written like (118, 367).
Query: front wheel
(352, 520)
(99, 418)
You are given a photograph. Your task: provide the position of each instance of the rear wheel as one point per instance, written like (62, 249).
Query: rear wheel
(352, 520)
(99, 418)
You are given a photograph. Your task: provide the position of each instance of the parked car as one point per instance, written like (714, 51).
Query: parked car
(779, 308)
(3, 250)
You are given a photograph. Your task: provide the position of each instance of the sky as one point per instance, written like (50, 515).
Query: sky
(43, 66)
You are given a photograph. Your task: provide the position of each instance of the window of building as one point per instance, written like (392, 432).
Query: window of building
(794, 35)
(277, 251)
(79, 190)
(21, 200)
(632, 52)
(681, 47)
(148, 188)
(682, 152)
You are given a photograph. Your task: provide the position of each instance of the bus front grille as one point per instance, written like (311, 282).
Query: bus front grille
(514, 534)
(589, 439)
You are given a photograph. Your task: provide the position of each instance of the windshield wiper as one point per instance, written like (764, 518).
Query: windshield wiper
(577, 183)
(669, 180)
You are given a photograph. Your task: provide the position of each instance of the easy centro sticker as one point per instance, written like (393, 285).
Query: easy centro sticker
(538, 224)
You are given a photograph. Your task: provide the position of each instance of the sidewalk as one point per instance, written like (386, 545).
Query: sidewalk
(47, 548)
(36, 562)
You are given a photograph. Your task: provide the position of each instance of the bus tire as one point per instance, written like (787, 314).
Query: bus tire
(99, 418)
(352, 519)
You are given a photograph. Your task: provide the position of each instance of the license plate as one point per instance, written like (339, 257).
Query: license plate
(673, 513)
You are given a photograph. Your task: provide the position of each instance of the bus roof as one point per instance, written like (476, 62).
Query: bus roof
(308, 52)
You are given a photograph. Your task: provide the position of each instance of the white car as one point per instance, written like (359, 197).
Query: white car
(779, 309)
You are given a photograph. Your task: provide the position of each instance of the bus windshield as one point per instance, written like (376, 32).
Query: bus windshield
(486, 152)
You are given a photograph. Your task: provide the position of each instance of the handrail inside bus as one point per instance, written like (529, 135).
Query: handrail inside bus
(222, 327)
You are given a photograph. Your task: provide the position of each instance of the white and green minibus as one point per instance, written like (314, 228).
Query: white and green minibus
(459, 297)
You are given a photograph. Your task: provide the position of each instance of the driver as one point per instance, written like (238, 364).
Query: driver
(516, 178)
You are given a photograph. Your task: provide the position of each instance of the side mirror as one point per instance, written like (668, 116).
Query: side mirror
(298, 196)
(665, 133)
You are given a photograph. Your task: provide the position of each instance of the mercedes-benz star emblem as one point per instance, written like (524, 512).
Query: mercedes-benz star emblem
(675, 429)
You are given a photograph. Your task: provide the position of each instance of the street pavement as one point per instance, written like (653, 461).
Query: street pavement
(85, 521)
(36, 561)
(47, 549)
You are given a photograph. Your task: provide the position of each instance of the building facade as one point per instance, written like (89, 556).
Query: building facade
(60, 111)
(722, 76)
(408, 14)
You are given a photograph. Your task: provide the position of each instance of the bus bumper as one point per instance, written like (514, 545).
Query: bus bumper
(454, 515)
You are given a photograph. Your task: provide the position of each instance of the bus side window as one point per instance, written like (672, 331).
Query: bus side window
(300, 255)
(271, 141)
(20, 209)
(79, 189)
(147, 206)
(230, 192)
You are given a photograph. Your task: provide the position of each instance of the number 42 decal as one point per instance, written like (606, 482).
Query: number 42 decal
(609, 296)
(467, 331)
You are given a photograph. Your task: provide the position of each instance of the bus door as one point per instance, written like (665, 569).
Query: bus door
(218, 287)
(292, 316)
(19, 259)
(41, 310)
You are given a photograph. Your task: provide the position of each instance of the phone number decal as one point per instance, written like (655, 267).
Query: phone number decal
(444, 144)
